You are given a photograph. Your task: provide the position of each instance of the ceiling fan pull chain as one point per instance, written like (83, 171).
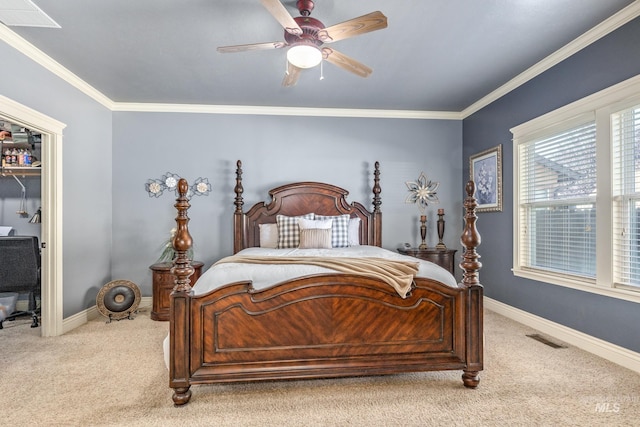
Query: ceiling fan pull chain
(321, 70)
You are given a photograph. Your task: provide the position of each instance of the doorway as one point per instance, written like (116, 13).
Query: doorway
(51, 203)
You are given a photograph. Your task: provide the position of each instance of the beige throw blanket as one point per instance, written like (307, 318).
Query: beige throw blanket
(398, 274)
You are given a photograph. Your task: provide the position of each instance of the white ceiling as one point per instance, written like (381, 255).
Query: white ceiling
(435, 55)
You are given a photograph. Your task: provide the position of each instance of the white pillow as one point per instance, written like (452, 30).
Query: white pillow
(268, 236)
(306, 224)
(354, 232)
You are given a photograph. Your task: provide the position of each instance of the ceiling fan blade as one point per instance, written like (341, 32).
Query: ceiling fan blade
(353, 27)
(291, 77)
(346, 63)
(256, 46)
(285, 19)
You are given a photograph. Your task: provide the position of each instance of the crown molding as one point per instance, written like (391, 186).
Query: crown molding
(605, 27)
(286, 111)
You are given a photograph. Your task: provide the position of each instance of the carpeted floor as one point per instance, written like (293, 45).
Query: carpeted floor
(113, 375)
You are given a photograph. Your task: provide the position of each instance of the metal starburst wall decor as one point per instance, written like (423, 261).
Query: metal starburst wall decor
(422, 192)
(169, 182)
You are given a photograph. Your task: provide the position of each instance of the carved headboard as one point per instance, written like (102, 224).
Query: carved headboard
(301, 198)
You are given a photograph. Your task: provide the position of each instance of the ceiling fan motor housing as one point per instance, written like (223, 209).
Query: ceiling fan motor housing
(310, 28)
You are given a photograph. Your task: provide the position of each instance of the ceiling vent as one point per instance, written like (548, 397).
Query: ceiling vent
(24, 13)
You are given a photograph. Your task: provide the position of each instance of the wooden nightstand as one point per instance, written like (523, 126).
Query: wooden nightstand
(163, 282)
(445, 258)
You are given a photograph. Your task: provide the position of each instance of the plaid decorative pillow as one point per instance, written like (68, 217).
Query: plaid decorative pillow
(289, 231)
(339, 230)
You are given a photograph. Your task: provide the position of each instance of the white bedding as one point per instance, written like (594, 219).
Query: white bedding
(266, 275)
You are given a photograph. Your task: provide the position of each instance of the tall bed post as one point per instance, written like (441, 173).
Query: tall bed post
(180, 301)
(239, 240)
(470, 265)
(377, 201)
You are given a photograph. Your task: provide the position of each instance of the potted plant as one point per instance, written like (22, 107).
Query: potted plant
(168, 252)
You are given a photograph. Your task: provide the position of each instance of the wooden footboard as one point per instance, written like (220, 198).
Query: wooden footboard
(322, 326)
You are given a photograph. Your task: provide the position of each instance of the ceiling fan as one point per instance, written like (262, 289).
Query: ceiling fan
(304, 37)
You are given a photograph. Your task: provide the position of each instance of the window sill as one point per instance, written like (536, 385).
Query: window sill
(586, 285)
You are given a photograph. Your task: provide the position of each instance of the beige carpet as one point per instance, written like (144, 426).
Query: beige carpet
(114, 375)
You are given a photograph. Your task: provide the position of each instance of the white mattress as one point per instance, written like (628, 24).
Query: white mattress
(266, 275)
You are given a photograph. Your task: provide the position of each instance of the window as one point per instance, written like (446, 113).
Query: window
(557, 201)
(577, 194)
(625, 126)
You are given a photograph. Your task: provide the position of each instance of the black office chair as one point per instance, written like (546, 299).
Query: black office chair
(20, 272)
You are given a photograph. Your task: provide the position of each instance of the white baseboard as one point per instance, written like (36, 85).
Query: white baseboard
(614, 353)
(79, 319)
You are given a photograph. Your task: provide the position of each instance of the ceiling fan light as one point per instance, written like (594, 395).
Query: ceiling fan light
(304, 56)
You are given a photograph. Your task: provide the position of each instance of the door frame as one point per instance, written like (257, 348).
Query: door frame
(51, 299)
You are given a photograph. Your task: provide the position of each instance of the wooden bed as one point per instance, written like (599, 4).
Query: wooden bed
(320, 326)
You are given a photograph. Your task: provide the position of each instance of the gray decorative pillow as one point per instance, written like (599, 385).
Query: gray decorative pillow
(315, 238)
(339, 230)
(289, 231)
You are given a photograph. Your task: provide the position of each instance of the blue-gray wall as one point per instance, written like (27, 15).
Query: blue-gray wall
(274, 150)
(609, 61)
(86, 173)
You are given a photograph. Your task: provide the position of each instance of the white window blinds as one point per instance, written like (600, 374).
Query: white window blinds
(557, 201)
(563, 233)
(625, 133)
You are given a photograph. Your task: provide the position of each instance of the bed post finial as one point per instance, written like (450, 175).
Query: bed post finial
(470, 239)
(238, 189)
(239, 221)
(182, 241)
(377, 213)
(377, 201)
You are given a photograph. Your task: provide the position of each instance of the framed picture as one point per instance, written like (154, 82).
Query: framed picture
(486, 171)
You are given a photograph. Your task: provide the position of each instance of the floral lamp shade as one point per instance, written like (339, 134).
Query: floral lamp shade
(422, 192)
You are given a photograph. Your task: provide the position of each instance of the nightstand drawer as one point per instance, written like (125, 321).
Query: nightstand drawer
(163, 283)
(445, 258)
